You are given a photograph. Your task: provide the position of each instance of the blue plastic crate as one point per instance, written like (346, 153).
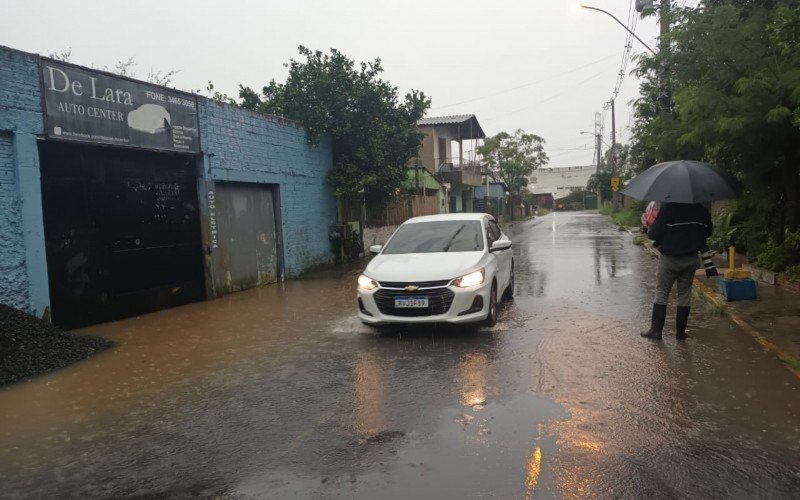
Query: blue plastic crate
(739, 289)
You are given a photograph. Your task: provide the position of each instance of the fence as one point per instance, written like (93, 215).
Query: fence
(497, 206)
(401, 209)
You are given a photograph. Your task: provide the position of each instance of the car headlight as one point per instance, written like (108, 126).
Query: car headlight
(471, 279)
(366, 284)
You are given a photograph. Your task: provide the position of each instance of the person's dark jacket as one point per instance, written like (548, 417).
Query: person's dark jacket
(680, 228)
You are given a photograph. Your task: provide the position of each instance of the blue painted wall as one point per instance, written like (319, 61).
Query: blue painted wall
(23, 267)
(238, 146)
(251, 147)
(13, 276)
(496, 190)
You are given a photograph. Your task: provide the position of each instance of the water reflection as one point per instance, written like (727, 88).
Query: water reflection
(533, 471)
(472, 374)
(370, 413)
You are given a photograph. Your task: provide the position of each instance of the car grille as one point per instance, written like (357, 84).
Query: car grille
(439, 301)
(420, 284)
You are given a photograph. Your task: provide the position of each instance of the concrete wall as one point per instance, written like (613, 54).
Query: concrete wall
(427, 149)
(242, 146)
(23, 267)
(560, 180)
(13, 276)
(377, 236)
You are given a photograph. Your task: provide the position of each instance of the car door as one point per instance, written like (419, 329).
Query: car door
(493, 234)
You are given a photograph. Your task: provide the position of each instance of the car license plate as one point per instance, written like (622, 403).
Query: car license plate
(409, 302)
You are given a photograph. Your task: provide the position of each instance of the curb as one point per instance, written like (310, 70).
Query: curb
(788, 360)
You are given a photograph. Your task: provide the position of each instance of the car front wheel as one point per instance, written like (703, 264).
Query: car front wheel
(491, 318)
(508, 293)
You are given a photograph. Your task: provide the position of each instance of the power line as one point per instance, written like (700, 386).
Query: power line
(576, 148)
(631, 26)
(544, 100)
(528, 84)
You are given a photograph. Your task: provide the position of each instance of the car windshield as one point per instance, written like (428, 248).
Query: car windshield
(437, 236)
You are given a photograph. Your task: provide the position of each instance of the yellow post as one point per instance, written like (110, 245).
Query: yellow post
(732, 273)
(731, 258)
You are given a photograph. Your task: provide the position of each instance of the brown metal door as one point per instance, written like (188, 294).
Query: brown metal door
(248, 237)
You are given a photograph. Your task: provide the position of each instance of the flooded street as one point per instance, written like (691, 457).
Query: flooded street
(280, 392)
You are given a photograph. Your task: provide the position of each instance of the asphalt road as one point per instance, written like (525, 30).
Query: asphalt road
(280, 392)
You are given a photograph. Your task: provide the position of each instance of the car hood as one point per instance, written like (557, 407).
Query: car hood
(423, 266)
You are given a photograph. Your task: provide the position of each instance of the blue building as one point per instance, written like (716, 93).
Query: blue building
(119, 197)
(493, 200)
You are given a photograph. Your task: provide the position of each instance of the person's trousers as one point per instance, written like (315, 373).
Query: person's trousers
(672, 269)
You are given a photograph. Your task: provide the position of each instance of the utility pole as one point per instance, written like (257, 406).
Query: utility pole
(664, 14)
(613, 137)
(614, 170)
(664, 100)
(598, 137)
(664, 91)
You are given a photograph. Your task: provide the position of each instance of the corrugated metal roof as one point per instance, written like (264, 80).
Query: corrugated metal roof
(467, 125)
(444, 120)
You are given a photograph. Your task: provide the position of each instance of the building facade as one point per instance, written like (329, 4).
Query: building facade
(118, 197)
(458, 173)
(560, 181)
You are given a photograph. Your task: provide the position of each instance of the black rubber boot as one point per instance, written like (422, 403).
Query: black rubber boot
(681, 320)
(656, 322)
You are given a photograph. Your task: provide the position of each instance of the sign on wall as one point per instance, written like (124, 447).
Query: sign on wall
(89, 106)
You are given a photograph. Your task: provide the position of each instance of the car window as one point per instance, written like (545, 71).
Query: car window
(436, 236)
(494, 230)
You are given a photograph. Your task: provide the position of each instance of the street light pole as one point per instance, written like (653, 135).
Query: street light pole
(663, 89)
(582, 6)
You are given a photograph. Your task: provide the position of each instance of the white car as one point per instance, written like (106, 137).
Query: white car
(445, 268)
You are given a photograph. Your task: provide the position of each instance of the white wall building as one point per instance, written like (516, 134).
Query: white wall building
(560, 180)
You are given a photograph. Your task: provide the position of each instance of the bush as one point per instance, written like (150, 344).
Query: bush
(780, 257)
(627, 217)
(793, 272)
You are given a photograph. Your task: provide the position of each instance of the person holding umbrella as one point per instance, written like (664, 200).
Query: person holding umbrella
(679, 233)
(680, 230)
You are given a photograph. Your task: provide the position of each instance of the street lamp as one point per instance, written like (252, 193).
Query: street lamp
(582, 6)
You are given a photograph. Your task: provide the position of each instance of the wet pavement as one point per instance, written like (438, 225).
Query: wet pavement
(280, 392)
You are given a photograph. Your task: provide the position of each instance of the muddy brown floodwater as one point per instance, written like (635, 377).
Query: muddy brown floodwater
(280, 392)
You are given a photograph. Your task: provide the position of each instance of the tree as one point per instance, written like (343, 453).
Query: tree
(623, 168)
(373, 132)
(514, 157)
(123, 67)
(734, 70)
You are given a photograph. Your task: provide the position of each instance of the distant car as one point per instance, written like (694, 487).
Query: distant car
(649, 215)
(445, 268)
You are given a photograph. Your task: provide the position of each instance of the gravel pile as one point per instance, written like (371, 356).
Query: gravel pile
(30, 346)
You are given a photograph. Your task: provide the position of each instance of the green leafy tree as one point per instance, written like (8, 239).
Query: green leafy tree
(373, 131)
(514, 157)
(620, 165)
(734, 70)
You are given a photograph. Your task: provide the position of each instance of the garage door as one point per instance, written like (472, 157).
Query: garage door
(248, 236)
(122, 232)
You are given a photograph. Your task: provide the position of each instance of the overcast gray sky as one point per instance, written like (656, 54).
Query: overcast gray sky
(531, 64)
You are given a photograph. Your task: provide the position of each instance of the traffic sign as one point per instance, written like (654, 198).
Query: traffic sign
(615, 184)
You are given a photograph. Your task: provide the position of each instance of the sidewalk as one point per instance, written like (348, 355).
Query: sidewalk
(772, 319)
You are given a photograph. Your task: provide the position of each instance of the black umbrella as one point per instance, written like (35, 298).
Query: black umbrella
(682, 181)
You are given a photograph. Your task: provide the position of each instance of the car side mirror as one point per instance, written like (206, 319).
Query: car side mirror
(500, 245)
(375, 249)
